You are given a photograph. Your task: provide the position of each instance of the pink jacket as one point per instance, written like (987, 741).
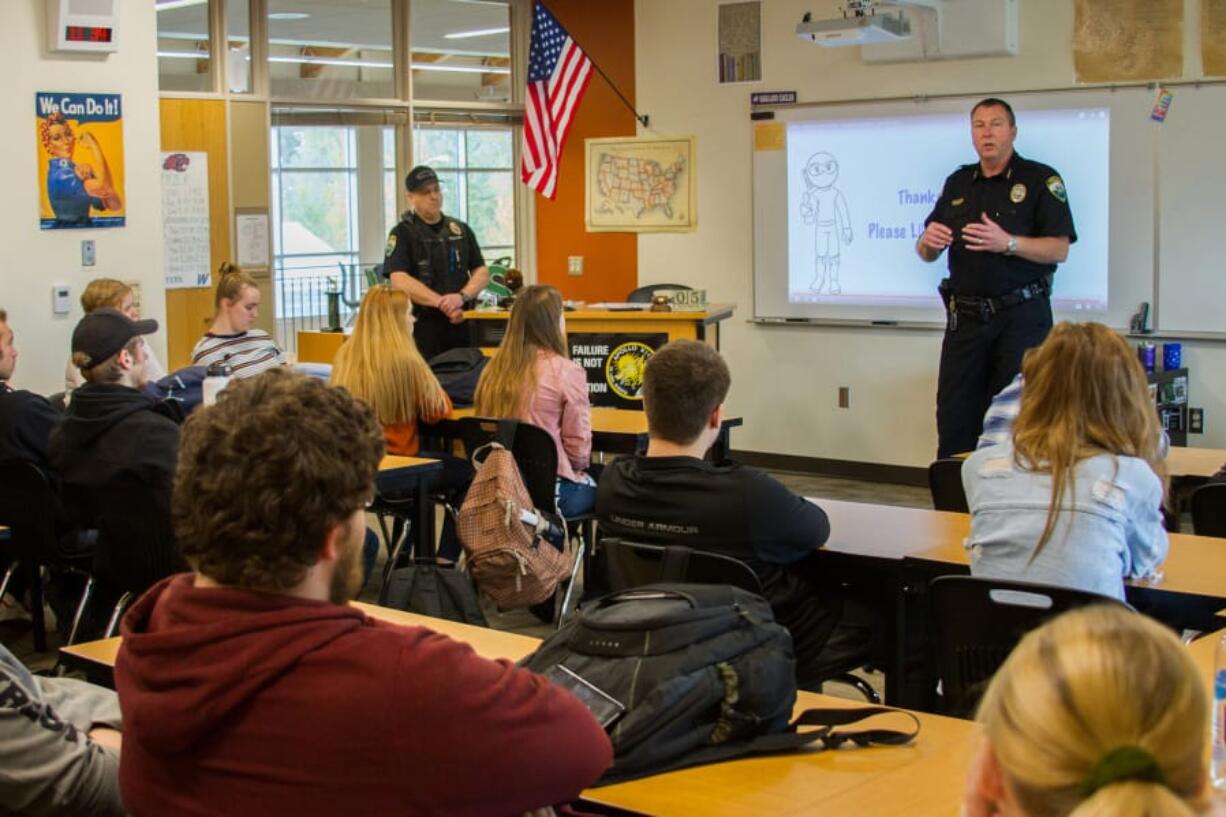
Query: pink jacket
(561, 407)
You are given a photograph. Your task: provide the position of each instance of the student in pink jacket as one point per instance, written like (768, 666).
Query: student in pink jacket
(533, 379)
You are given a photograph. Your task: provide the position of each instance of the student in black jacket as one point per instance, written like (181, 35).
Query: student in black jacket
(26, 418)
(115, 452)
(671, 495)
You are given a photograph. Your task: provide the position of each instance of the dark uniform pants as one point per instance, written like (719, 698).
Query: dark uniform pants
(977, 361)
(434, 333)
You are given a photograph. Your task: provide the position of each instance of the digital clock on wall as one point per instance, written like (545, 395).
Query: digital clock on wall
(83, 25)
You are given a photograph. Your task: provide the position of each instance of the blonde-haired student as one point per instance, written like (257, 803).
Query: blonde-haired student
(233, 338)
(1099, 713)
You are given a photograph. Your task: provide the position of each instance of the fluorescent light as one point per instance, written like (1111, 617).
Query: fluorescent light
(170, 5)
(478, 32)
(287, 15)
(304, 60)
(459, 69)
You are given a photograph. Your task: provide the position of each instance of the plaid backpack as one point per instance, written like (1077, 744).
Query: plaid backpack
(504, 535)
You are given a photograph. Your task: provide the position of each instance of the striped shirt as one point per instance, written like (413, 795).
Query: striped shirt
(248, 353)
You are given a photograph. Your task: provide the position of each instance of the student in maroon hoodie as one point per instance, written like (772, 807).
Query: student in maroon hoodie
(249, 687)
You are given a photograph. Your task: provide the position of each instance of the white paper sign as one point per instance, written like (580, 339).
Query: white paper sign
(252, 232)
(185, 218)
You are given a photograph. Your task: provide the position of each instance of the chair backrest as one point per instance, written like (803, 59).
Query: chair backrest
(978, 621)
(1209, 510)
(28, 509)
(135, 549)
(632, 564)
(533, 449)
(643, 295)
(945, 482)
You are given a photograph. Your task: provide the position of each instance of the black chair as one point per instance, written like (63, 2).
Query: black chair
(537, 458)
(945, 482)
(643, 295)
(27, 508)
(1209, 510)
(633, 564)
(978, 621)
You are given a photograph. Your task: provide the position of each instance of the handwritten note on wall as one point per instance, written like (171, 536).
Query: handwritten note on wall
(185, 219)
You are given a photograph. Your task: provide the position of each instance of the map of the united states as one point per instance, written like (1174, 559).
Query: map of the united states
(637, 186)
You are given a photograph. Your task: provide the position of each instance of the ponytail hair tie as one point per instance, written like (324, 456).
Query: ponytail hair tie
(1122, 764)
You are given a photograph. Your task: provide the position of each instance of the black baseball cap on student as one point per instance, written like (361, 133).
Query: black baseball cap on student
(102, 333)
(419, 177)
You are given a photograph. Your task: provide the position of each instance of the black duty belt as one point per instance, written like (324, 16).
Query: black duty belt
(983, 308)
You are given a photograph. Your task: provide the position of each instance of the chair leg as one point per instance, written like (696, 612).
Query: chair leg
(35, 571)
(86, 594)
(116, 613)
(8, 577)
(570, 585)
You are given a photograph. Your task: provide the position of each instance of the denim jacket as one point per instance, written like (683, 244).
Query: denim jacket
(1109, 528)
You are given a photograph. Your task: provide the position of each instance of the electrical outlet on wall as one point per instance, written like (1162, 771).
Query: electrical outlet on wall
(1196, 421)
(574, 265)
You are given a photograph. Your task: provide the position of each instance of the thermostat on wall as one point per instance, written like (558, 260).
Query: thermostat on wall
(61, 299)
(90, 26)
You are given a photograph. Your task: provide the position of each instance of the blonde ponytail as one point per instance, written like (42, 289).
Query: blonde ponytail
(1100, 712)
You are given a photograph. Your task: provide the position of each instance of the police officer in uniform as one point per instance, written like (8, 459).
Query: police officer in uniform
(1007, 224)
(436, 260)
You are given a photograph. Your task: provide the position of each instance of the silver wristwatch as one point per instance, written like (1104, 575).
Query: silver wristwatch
(1011, 247)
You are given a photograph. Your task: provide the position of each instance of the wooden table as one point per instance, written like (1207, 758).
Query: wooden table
(420, 469)
(615, 431)
(1194, 462)
(487, 326)
(902, 549)
(790, 784)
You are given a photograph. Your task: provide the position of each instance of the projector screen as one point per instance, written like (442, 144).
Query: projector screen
(841, 194)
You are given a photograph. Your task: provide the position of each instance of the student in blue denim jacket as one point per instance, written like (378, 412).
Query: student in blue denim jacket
(1073, 497)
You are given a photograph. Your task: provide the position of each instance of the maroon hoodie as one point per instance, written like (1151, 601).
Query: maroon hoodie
(242, 703)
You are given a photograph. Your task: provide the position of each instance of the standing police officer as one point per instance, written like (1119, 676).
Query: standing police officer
(436, 260)
(1007, 223)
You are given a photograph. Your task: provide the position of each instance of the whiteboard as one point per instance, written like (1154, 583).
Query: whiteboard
(1191, 212)
(1131, 228)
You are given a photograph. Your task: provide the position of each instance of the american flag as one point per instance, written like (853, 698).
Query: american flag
(558, 73)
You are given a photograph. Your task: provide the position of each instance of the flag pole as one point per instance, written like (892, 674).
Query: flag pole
(643, 118)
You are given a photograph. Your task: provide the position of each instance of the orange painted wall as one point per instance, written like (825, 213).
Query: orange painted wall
(605, 30)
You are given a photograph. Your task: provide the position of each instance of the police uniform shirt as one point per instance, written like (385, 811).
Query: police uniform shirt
(440, 255)
(1028, 199)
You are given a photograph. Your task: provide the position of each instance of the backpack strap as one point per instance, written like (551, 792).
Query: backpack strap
(826, 720)
(507, 428)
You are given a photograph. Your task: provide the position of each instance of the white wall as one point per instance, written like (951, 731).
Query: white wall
(32, 260)
(786, 379)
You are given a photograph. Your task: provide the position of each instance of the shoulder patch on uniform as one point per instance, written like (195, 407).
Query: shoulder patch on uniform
(455, 228)
(1018, 193)
(391, 244)
(1055, 186)
(957, 202)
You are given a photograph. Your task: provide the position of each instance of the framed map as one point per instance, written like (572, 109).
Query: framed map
(641, 185)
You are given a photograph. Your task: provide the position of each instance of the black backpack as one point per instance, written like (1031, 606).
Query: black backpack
(458, 371)
(704, 674)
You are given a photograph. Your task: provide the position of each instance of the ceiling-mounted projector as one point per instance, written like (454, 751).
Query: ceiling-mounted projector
(866, 30)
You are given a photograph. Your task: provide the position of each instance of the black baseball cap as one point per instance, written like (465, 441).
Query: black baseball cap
(102, 333)
(419, 177)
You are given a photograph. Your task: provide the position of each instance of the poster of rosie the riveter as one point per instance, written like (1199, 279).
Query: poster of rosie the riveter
(80, 160)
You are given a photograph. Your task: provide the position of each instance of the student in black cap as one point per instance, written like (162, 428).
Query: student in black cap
(116, 449)
(436, 260)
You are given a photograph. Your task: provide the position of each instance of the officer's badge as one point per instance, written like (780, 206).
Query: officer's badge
(956, 202)
(455, 228)
(1018, 194)
(1056, 185)
(391, 245)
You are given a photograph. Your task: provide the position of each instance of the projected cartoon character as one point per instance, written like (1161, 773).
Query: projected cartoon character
(72, 187)
(824, 205)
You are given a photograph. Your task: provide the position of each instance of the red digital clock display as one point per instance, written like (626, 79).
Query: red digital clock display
(87, 34)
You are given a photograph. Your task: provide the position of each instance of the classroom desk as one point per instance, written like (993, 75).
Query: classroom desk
(1194, 462)
(420, 468)
(899, 550)
(615, 431)
(788, 784)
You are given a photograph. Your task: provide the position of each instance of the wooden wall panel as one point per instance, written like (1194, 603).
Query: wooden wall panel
(606, 32)
(198, 125)
(249, 135)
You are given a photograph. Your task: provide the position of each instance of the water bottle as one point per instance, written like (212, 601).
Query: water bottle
(216, 377)
(1219, 714)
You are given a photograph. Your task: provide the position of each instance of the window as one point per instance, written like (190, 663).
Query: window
(476, 173)
(330, 49)
(183, 45)
(461, 51)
